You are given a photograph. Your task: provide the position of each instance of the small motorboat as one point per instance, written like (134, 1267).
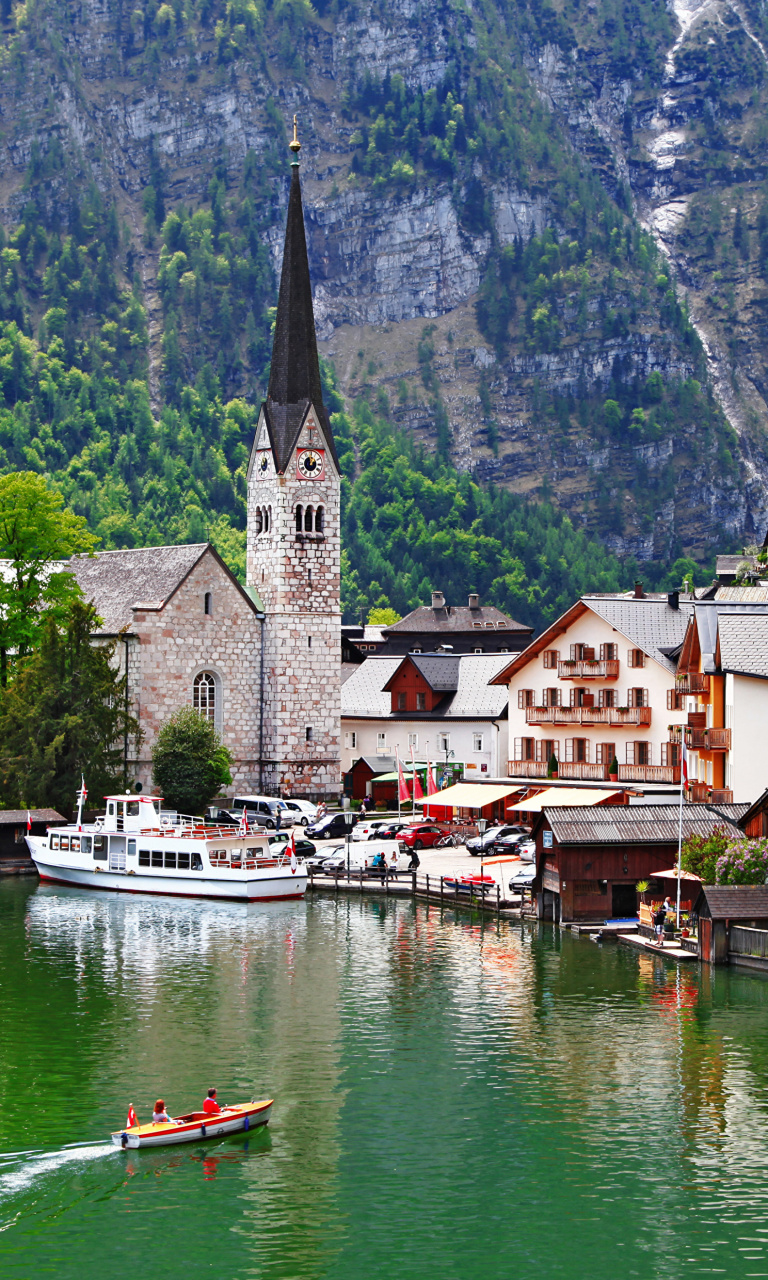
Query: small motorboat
(471, 884)
(195, 1126)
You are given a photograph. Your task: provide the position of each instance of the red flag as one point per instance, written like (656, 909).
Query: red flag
(292, 850)
(131, 1121)
(29, 822)
(431, 788)
(684, 765)
(418, 794)
(402, 786)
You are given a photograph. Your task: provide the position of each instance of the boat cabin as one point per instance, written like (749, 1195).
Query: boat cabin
(132, 813)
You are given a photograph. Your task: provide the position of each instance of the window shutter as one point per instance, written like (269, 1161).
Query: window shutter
(569, 749)
(631, 752)
(573, 650)
(518, 748)
(520, 703)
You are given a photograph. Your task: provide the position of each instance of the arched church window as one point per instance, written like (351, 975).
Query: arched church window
(299, 518)
(308, 520)
(259, 521)
(204, 695)
(319, 519)
(208, 602)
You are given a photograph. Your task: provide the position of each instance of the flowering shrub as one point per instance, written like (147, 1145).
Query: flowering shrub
(743, 862)
(700, 854)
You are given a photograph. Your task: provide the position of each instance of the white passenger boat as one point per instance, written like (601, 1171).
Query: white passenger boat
(137, 848)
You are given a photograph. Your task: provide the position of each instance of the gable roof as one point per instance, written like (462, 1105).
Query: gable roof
(735, 901)
(450, 618)
(440, 670)
(471, 695)
(294, 377)
(11, 817)
(638, 824)
(743, 643)
(118, 582)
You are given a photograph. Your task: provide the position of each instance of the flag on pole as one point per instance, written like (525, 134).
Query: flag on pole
(684, 765)
(418, 794)
(431, 787)
(402, 786)
(292, 848)
(242, 830)
(131, 1121)
(29, 822)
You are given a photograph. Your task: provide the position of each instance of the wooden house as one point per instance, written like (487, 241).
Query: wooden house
(728, 916)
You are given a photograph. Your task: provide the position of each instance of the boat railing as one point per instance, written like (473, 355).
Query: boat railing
(203, 831)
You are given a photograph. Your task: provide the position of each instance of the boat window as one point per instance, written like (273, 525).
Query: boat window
(64, 842)
(99, 848)
(252, 853)
(183, 861)
(197, 862)
(74, 844)
(85, 844)
(143, 857)
(132, 808)
(236, 855)
(54, 842)
(157, 857)
(170, 858)
(111, 808)
(131, 848)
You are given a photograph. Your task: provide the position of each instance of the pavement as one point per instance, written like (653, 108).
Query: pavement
(445, 861)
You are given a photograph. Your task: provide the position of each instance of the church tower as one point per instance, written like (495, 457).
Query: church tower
(294, 547)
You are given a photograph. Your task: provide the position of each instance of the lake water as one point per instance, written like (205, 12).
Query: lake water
(453, 1100)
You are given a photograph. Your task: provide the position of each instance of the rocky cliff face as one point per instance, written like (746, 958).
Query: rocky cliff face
(546, 125)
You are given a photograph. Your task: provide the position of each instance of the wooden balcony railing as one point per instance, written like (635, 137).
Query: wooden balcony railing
(579, 769)
(698, 792)
(701, 739)
(527, 768)
(721, 795)
(649, 773)
(615, 716)
(717, 739)
(588, 669)
(692, 682)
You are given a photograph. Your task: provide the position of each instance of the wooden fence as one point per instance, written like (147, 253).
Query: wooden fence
(447, 890)
(743, 941)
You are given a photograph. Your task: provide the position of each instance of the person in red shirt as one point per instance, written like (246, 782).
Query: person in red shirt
(211, 1106)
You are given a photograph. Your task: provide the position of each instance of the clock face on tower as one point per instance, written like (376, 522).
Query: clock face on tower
(262, 467)
(310, 464)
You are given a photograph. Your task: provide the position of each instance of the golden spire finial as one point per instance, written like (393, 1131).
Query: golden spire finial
(294, 144)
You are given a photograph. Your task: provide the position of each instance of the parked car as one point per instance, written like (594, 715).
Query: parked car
(481, 844)
(421, 836)
(525, 848)
(369, 828)
(511, 842)
(391, 829)
(316, 860)
(330, 827)
(221, 817)
(261, 811)
(299, 812)
(304, 848)
(523, 876)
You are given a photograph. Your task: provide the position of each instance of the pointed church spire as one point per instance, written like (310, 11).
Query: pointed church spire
(294, 380)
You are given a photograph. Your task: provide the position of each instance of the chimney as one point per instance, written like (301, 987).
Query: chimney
(474, 601)
(673, 599)
(639, 593)
(438, 600)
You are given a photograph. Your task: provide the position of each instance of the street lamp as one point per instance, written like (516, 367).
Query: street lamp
(449, 755)
(482, 823)
(349, 822)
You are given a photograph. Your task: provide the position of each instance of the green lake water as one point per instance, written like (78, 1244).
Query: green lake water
(453, 1100)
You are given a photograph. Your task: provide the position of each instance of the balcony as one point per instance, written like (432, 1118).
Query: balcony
(588, 669)
(527, 768)
(692, 682)
(700, 739)
(721, 795)
(649, 773)
(613, 716)
(583, 772)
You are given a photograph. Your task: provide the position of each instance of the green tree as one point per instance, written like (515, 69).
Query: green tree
(190, 765)
(383, 617)
(36, 533)
(64, 715)
(700, 854)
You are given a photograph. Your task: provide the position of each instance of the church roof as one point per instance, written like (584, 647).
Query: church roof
(117, 582)
(294, 379)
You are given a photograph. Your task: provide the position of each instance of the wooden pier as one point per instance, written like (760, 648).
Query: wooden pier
(444, 890)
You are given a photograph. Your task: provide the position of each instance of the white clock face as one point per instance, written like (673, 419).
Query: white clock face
(262, 467)
(310, 464)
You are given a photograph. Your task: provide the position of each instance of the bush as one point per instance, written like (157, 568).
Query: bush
(189, 763)
(700, 855)
(743, 862)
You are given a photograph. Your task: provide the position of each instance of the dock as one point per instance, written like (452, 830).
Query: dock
(669, 950)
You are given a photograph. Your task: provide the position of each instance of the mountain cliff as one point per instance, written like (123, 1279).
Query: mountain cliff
(538, 236)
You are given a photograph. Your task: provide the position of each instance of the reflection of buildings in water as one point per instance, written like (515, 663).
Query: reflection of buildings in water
(201, 993)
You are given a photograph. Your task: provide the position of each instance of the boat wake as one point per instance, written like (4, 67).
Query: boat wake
(19, 1170)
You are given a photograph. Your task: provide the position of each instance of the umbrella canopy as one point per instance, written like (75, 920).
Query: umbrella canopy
(672, 875)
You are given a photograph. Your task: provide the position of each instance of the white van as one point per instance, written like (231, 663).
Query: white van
(263, 810)
(361, 859)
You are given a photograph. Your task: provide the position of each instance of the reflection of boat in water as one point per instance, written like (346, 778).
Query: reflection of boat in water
(136, 848)
(196, 1126)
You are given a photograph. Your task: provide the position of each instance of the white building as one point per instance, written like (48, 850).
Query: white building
(441, 705)
(599, 685)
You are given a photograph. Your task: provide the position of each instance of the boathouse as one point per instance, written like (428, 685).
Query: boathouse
(14, 854)
(733, 924)
(590, 859)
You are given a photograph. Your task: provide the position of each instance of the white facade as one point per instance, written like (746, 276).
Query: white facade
(479, 745)
(746, 715)
(613, 701)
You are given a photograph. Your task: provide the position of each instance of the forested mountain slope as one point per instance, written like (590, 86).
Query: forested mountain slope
(538, 236)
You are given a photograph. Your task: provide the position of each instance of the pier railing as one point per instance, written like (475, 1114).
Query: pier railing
(447, 890)
(743, 941)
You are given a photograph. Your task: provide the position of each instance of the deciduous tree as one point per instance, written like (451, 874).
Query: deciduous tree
(189, 763)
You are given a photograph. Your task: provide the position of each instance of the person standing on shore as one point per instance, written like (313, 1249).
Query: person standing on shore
(659, 921)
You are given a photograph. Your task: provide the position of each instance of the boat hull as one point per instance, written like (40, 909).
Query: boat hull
(268, 889)
(196, 1127)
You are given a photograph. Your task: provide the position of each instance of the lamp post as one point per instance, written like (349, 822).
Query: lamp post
(349, 821)
(482, 823)
(449, 755)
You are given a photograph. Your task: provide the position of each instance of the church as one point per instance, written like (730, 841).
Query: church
(262, 661)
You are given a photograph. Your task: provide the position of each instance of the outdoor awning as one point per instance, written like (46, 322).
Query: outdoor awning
(469, 795)
(672, 875)
(552, 797)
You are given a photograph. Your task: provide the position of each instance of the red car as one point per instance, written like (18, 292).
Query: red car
(423, 836)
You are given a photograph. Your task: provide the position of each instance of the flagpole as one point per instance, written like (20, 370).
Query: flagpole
(683, 775)
(399, 801)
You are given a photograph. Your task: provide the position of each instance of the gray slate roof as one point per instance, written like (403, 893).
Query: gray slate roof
(459, 618)
(440, 670)
(736, 901)
(649, 624)
(12, 817)
(363, 695)
(744, 643)
(118, 581)
(638, 824)
(742, 595)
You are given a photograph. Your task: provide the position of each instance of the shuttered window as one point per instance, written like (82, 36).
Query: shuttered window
(636, 658)
(577, 750)
(552, 697)
(525, 698)
(609, 652)
(605, 753)
(551, 659)
(675, 700)
(525, 749)
(637, 697)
